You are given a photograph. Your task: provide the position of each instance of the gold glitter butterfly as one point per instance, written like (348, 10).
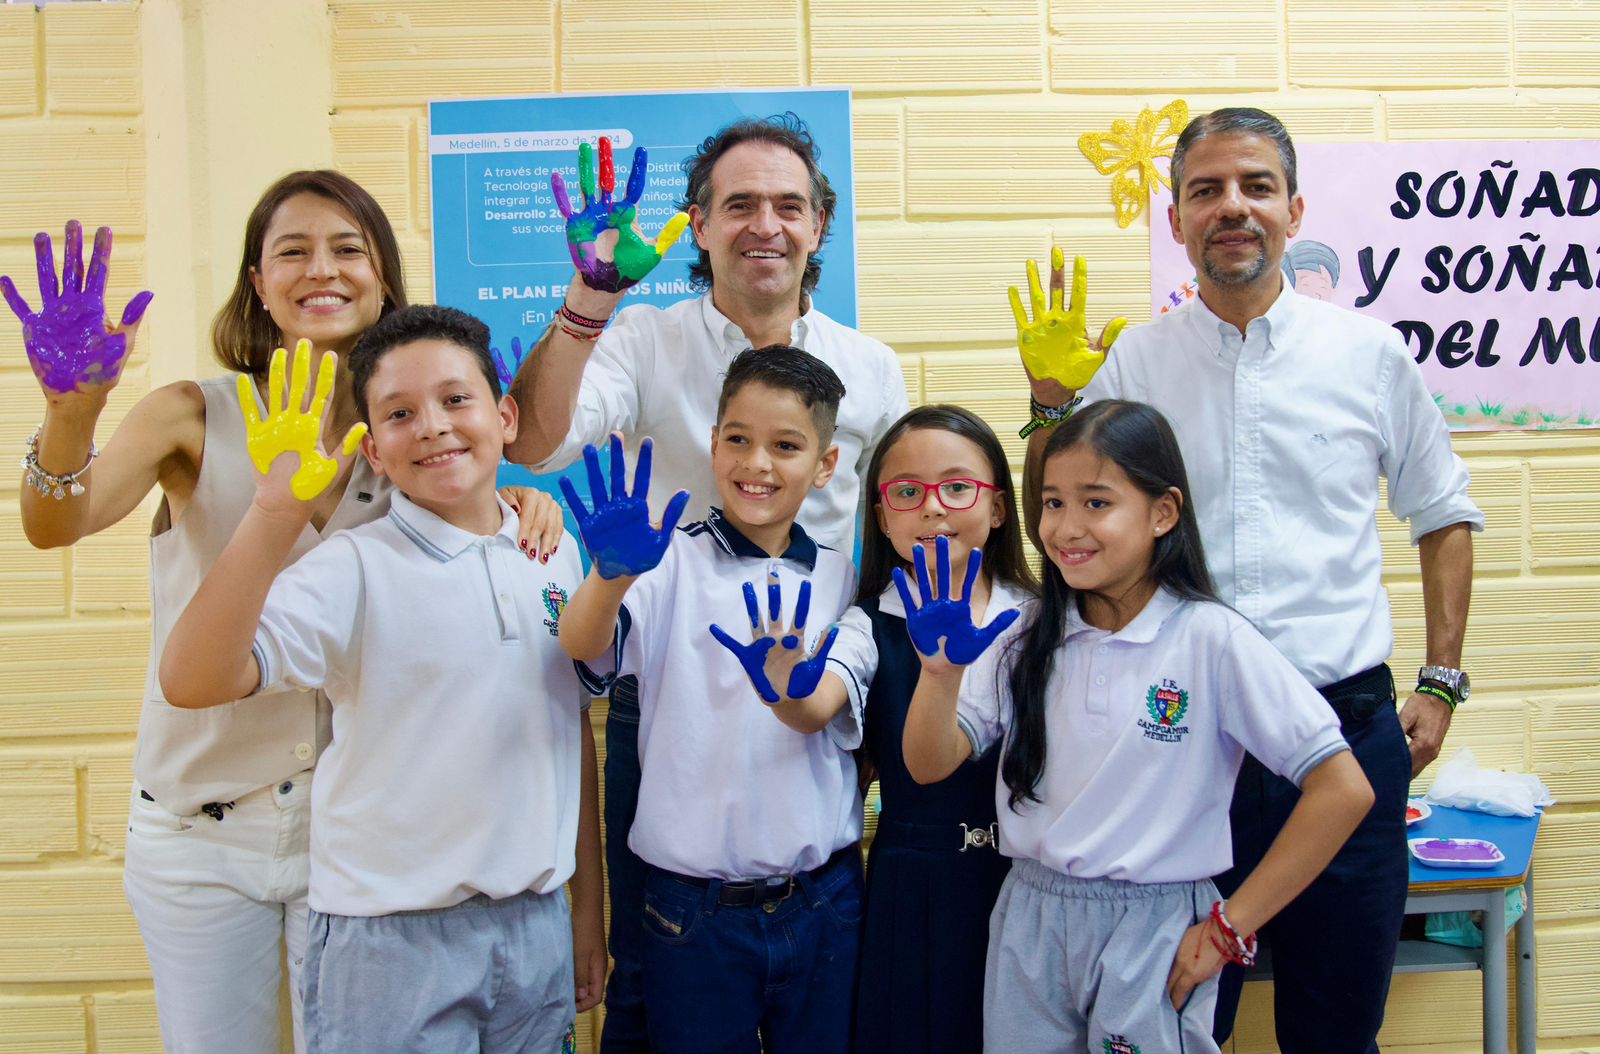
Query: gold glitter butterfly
(1128, 155)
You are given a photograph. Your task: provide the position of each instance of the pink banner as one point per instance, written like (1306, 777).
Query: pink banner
(1483, 255)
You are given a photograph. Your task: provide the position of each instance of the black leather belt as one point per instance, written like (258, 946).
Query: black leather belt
(760, 891)
(1358, 698)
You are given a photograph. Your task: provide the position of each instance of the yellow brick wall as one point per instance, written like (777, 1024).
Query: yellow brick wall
(165, 119)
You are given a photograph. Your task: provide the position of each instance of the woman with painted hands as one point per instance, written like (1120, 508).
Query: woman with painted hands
(216, 862)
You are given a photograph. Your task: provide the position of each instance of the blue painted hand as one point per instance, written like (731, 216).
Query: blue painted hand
(507, 372)
(776, 655)
(939, 617)
(617, 532)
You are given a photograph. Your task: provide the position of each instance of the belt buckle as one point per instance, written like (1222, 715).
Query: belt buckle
(979, 838)
(769, 898)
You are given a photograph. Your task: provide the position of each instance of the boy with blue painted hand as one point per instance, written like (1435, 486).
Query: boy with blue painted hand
(459, 792)
(749, 821)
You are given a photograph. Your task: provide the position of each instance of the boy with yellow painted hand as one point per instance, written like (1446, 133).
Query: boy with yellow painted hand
(458, 794)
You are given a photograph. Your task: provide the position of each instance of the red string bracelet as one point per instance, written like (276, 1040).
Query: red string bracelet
(575, 334)
(1234, 948)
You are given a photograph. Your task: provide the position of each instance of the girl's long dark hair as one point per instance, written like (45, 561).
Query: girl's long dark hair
(1003, 556)
(1137, 439)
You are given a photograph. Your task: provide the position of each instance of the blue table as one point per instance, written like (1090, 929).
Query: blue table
(1436, 889)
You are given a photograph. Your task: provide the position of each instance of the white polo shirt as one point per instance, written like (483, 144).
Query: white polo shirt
(1285, 431)
(727, 790)
(1146, 730)
(455, 758)
(659, 372)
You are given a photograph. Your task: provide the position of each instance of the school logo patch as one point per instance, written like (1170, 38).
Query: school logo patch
(555, 602)
(1120, 1045)
(569, 1045)
(1167, 704)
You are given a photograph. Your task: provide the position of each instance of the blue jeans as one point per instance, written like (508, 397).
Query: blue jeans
(778, 977)
(1333, 947)
(624, 1031)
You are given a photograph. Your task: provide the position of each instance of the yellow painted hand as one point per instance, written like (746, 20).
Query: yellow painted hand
(290, 429)
(1055, 344)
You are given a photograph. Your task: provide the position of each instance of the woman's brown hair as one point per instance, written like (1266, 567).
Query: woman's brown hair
(243, 334)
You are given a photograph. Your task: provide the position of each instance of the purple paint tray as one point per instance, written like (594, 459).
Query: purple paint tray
(1456, 852)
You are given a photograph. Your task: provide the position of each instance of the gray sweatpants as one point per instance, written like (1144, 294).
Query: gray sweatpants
(485, 975)
(1080, 965)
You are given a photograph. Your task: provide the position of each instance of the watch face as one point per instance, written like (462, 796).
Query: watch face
(1464, 689)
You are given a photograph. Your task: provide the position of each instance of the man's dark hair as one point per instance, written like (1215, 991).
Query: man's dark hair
(784, 129)
(788, 369)
(421, 322)
(1235, 120)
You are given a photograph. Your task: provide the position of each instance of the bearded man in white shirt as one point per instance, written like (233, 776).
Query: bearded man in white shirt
(1288, 409)
(759, 208)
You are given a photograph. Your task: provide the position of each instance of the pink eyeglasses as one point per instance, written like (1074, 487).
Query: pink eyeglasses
(908, 495)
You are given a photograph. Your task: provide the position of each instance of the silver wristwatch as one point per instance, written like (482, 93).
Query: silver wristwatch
(1453, 680)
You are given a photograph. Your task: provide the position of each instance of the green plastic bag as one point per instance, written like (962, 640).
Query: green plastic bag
(1464, 929)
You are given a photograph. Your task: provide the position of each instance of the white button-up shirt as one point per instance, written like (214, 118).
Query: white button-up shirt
(1147, 727)
(457, 715)
(1284, 432)
(658, 373)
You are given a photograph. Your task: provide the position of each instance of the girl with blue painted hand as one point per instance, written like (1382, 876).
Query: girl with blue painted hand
(940, 495)
(1124, 703)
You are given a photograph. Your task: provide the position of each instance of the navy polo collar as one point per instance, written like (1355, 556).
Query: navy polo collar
(802, 548)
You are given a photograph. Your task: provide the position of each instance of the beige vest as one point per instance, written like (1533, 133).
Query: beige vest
(186, 758)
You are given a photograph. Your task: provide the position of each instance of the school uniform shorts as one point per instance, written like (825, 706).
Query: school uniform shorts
(1081, 965)
(485, 975)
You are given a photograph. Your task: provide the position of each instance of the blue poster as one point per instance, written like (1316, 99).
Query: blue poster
(499, 243)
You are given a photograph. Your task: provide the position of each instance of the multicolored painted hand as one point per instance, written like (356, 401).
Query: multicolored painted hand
(941, 617)
(68, 341)
(776, 655)
(617, 531)
(1055, 345)
(604, 238)
(289, 429)
(505, 373)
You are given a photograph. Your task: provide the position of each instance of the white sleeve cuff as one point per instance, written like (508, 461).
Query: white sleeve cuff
(846, 728)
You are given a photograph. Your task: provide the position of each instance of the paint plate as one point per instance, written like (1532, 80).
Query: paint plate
(1417, 810)
(1456, 852)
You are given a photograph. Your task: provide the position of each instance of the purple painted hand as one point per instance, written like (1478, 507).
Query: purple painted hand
(617, 531)
(775, 654)
(69, 344)
(941, 617)
(604, 238)
(505, 373)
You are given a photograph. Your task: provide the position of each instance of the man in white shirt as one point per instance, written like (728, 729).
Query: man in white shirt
(759, 208)
(1287, 410)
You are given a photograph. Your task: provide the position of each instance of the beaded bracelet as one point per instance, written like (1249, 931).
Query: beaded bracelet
(49, 484)
(1234, 948)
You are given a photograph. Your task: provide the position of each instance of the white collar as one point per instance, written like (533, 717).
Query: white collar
(1143, 627)
(1211, 329)
(437, 537)
(731, 339)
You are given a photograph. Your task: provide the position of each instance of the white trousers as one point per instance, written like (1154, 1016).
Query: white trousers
(216, 901)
